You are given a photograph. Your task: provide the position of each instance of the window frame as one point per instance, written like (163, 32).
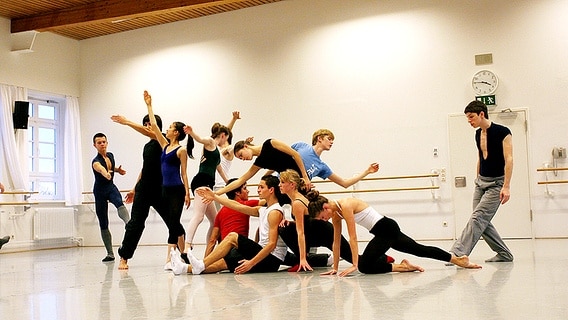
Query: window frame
(34, 124)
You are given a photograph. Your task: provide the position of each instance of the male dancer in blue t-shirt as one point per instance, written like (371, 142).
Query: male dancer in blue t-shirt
(322, 140)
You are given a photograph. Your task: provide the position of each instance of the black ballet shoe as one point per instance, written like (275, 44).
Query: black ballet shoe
(108, 259)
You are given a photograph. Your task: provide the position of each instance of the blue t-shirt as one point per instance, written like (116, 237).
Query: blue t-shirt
(315, 167)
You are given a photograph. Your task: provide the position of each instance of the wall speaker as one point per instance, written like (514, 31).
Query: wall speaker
(21, 115)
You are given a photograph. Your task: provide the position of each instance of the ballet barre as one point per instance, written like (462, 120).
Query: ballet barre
(381, 190)
(549, 182)
(19, 192)
(551, 169)
(433, 187)
(27, 195)
(553, 182)
(18, 203)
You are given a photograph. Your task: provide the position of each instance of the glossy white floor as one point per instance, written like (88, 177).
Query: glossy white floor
(73, 283)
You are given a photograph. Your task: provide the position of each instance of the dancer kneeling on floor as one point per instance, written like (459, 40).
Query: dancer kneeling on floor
(387, 235)
(237, 253)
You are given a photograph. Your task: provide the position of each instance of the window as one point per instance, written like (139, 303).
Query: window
(45, 149)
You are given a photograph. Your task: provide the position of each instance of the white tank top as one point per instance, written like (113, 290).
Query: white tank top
(264, 228)
(367, 218)
(225, 166)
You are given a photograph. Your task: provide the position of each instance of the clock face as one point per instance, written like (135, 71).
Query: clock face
(484, 82)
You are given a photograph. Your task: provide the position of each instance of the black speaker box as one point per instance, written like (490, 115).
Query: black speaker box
(21, 115)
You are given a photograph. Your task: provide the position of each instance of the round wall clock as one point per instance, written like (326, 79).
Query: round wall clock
(484, 82)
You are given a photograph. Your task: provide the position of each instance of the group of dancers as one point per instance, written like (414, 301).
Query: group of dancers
(163, 184)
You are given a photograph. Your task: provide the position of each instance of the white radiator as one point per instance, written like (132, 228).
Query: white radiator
(54, 223)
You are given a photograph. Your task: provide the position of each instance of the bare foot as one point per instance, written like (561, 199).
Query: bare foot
(406, 266)
(123, 265)
(464, 262)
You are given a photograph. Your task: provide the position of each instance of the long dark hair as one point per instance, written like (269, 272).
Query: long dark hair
(190, 143)
(316, 203)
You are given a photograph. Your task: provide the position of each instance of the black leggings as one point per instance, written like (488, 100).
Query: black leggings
(388, 235)
(317, 233)
(174, 199)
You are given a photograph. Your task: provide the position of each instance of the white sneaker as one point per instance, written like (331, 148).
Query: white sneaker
(168, 266)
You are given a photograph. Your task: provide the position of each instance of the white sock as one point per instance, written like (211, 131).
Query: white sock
(178, 266)
(197, 266)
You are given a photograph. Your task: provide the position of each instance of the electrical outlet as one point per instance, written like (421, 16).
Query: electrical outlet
(443, 175)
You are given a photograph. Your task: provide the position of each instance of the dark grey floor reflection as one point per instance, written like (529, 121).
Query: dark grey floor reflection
(73, 284)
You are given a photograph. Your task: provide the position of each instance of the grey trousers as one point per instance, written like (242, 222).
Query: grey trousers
(485, 204)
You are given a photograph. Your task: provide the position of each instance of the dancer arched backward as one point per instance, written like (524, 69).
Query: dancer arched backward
(175, 187)
(105, 191)
(272, 155)
(322, 140)
(304, 232)
(387, 235)
(148, 189)
(238, 253)
(205, 177)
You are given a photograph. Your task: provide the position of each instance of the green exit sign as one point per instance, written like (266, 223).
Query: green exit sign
(487, 100)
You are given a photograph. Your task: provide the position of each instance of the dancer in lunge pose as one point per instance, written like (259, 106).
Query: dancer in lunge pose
(148, 189)
(387, 235)
(492, 186)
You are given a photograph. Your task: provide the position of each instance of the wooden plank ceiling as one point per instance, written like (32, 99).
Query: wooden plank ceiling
(84, 19)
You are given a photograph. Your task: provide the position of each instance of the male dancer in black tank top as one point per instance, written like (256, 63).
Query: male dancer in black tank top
(494, 170)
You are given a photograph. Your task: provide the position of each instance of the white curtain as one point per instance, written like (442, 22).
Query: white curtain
(13, 148)
(73, 174)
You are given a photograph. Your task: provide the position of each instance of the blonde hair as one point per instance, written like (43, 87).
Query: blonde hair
(321, 133)
(290, 175)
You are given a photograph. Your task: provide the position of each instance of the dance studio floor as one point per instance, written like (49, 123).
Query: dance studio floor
(74, 284)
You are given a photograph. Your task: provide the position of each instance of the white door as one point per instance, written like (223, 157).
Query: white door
(513, 219)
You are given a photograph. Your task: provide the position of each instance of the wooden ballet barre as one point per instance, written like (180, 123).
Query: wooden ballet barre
(551, 169)
(91, 192)
(416, 176)
(17, 203)
(19, 192)
(372, 190)
(553, 182)
(381, 190)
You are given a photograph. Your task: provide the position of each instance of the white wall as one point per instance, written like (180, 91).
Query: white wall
(382, 75)
(52, 67)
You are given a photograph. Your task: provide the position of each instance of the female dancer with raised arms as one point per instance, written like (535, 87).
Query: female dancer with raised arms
(175, 187)
(209, 163)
